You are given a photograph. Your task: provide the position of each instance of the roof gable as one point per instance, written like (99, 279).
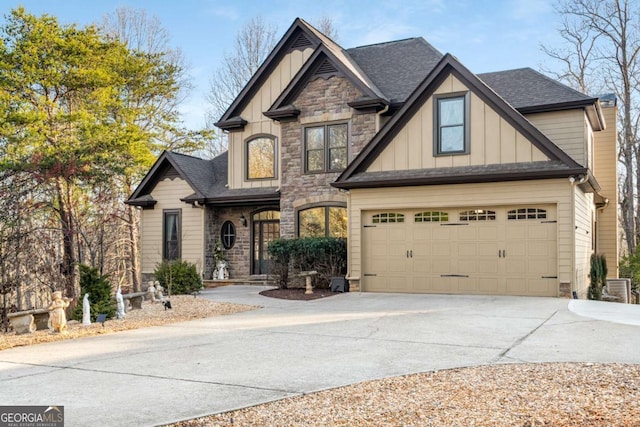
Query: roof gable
(449, 65)
(196, 172)
(324, 63)
(300, 35)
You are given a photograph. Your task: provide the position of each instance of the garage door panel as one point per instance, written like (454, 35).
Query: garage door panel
(508, 255)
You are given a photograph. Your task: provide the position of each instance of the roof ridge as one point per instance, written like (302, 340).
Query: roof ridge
(387, 42)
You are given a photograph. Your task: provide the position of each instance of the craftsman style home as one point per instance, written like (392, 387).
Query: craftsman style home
(442, 180)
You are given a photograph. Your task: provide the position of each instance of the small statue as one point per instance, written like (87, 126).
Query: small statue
(152, 292)
(86, 310)
(120, 304)
(57, 316)
(159, 290)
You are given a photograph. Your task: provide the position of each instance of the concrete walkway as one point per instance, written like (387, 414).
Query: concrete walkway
(162, 374)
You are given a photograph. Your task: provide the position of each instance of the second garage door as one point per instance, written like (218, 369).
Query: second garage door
(488, 250)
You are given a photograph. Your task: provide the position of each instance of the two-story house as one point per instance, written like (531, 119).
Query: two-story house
(442, 180)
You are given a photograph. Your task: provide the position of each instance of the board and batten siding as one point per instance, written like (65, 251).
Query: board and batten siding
(604, 169)
(525, 193)
(567, 129)
(492, 139)
(258, 123)
(584, 216)
(167, 193)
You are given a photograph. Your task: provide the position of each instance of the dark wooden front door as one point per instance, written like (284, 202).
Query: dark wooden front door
(266, 228)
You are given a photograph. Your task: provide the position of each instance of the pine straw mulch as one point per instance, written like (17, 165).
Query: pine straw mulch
(184, 307)
(522, 395)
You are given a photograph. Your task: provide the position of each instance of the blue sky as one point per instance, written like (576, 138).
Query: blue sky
(485, 35)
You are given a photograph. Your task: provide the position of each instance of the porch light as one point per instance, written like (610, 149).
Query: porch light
(243, 220)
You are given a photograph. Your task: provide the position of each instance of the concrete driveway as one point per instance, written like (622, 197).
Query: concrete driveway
(162, 374)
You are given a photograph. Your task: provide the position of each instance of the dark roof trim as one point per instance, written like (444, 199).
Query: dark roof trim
(150, 179)
(289, 38)
(234, 123)
(450, 65)
(288, 112)
(591, 106)
(308, 72)
(365, 104)
(460, 179)
(141, 202)
(238, 200)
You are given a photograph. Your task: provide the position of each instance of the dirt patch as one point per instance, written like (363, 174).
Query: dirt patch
(298, 294)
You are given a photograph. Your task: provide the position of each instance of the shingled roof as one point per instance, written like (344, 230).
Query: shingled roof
(397, 67)
(525, 88)
(207, 179)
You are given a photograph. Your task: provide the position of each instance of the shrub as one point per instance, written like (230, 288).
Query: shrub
(280, 252)
(178, 277)
(598, 276)
(326, 255)
(630, 268)
(99, 290)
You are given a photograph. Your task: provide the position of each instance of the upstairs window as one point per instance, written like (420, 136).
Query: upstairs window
(261, 158)
(451, 129)
(171, 235)
(325, 148)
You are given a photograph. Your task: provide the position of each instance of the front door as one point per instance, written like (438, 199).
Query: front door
(266, 228)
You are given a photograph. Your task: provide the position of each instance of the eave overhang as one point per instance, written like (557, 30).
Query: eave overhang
(236, 123)
(591, 106)
(395, 179)
(286, 113)
(366, 104)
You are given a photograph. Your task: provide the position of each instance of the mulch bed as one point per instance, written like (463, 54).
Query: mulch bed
(298, 294)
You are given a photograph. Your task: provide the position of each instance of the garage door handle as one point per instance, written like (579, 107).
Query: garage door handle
(411, 253)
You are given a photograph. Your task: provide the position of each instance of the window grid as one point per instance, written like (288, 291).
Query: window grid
(326, 148)
(526, 213)
(478, 215)
(388, 217)
(228, 234)
(429, 216)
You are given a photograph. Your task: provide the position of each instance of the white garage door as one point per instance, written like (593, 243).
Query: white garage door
(486, 250)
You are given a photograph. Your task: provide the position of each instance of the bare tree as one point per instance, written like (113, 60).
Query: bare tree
(604, 35)
(253, 43)
(326, 27)
(255, 40)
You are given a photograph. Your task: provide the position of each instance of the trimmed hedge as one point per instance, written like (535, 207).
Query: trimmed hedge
(326, 255)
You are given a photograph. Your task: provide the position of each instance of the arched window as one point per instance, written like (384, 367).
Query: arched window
(228, 234)
(431, 216)
(478, 215)
(323, 221)
(386, 217)
(526, 213)
(261, 158)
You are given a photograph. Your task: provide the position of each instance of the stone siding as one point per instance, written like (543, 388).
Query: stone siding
(239, 256)
(322, 101)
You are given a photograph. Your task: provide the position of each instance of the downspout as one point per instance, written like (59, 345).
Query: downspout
(379, 114)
